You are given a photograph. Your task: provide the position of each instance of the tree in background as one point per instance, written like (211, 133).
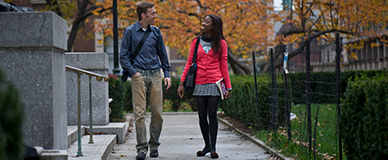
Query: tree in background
(247, 24)
(356, 20)
(75, 14)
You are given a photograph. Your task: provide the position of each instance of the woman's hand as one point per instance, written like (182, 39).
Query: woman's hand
(181, 89)
(227, 94)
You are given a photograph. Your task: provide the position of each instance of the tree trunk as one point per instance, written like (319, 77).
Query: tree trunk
(73, 33)
(236, 70)
(83, 13)
(237, 67)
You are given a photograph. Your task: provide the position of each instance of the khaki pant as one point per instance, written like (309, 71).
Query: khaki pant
(150, 83)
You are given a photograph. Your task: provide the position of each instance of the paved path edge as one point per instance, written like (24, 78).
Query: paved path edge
(255, 140)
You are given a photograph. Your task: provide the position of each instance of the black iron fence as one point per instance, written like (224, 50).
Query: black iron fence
(304, 106)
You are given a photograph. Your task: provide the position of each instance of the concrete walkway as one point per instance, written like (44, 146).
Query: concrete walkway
(181, 138)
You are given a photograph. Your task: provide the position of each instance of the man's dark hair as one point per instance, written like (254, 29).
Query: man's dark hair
(142, 7)
(218, 34)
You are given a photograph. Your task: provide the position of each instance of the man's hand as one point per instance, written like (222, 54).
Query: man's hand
(167, 81)
(136, 74)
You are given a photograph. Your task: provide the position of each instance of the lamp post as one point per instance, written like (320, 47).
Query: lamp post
(116, 69)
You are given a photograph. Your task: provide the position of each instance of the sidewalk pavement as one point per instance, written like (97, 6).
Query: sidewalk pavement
(181, 138)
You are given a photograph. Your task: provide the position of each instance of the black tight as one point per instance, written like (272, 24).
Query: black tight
(208, 105)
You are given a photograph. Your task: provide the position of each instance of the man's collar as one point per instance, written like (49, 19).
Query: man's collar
(138, 26)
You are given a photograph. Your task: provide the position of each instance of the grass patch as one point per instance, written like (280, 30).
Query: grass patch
(326, 133)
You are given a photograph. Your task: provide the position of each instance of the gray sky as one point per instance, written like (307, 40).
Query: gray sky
(277, 4)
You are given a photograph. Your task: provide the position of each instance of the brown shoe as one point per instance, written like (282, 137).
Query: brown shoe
(214, 155)
(202, 153)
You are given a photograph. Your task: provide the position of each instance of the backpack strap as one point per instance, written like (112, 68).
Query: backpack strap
(196, 50)
(145, 36)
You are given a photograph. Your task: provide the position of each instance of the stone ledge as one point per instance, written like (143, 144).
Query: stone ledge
(120, 129)
(32, 29)
(54, 155)
(100, 149)
(178, 113)
(88, 60)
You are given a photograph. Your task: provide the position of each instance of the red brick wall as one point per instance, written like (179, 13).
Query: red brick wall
(85, 38)
(23, 3)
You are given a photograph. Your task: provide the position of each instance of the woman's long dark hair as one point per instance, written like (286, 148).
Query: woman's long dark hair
(218, 34)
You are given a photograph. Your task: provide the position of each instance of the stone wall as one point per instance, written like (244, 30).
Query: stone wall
(97, 63)
(32, 56)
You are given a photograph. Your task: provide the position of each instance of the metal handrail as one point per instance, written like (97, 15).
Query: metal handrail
(98, 78)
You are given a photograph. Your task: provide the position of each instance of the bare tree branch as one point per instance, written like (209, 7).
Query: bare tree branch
(234, 61)
(278, 62)
(201, 6)
(190, 14)
(316, 32)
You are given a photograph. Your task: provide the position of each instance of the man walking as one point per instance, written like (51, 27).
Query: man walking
(146, 77)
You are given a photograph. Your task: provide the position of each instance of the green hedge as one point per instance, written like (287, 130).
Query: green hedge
(11, 121)
(116, 91)
(323, 82)
(364, 118)
(122, 96)
(242, 103)
(172, 95)
(127, 97)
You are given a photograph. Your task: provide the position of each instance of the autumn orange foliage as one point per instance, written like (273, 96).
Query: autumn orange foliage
(247, 23)
(355, 20)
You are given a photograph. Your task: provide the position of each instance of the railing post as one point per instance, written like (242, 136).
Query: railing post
(90, 110)
(274, 100)
(257, 102)
(287, 106)
(308, 90)
(79, 152)
(338, 70)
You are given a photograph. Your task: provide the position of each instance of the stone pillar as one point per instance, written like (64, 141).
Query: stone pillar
(93, 62)
(32, 56)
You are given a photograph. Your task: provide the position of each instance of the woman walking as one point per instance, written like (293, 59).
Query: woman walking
(212, 66)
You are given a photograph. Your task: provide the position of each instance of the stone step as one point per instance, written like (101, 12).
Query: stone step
(72, 134)
(120, 129)
(100, 149)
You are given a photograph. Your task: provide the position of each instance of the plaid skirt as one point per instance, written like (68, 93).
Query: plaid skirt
(206, 90)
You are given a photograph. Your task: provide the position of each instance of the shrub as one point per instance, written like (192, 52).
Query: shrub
(116, 91)
(242, 104)
(121, 93)
(364, 118)
(323, 82)
(172, 95)
(11, 120)
(127, 97)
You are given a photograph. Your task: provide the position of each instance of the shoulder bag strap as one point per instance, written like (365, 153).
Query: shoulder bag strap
(133, 56)
(196, 49)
